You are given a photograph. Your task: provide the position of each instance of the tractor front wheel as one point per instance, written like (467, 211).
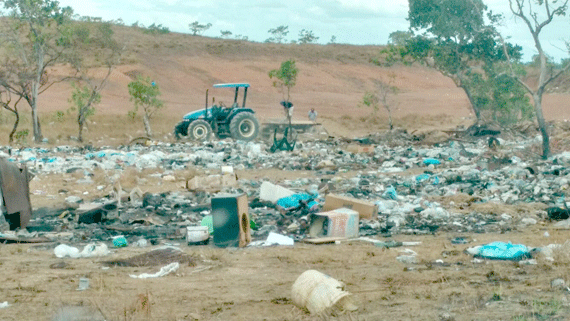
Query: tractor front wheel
(244, 126)
(199, 130)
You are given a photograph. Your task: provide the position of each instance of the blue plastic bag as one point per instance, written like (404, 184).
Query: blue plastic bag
(431, 161)
(390, 193)
(504, 251)
(296, 201)
(422, 177)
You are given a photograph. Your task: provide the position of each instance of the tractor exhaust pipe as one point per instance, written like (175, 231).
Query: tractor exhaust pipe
(206, 108)
(207, 97)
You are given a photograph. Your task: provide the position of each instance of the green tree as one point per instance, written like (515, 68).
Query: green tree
(453, 37)
(144, 94)
(199, 29)
(307, 36)
(32, 37)
(382, 96)
(83, 100)
(104, 50)
(399, 38)
(528, 11)
(156, 29)
(278, 34)
(285, 78)
(225, 34)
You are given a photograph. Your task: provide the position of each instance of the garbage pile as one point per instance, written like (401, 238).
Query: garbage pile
(410, 187)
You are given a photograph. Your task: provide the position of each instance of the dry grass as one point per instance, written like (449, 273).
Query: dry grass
(101, 130)
(255, 284)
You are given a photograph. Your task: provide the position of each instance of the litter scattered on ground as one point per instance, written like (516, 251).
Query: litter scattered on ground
(156, 257)
(165, 270)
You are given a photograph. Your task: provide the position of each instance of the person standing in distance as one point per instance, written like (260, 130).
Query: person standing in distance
(313, 115)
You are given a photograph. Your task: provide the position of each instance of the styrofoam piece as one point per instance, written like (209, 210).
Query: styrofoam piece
(278, 239)
(272, 193)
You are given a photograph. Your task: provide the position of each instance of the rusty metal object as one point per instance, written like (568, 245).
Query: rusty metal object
(14, 182)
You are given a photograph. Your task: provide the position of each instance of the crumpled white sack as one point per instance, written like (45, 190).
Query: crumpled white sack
(172, 267)
(90, 250)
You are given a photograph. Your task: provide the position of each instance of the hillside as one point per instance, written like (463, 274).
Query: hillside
(332, 79)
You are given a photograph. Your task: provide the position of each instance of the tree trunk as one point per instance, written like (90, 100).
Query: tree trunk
(471, 101)
(542, 125)
(81, 118)
(80, 123)
(36, 122)
(146, 123)
(36, 83)
(16, 122)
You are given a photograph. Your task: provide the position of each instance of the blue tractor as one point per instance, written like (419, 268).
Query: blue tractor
(235, 121)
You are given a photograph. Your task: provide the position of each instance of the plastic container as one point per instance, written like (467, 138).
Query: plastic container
(320, 293)
(83, 284)
(197, 235)
(208, 221)
(120, 241)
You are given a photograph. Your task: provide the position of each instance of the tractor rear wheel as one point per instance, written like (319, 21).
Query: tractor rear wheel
(199, 130)
(244, 126)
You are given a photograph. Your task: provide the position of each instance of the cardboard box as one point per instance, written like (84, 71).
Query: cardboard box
(367, 210)
(342, 222)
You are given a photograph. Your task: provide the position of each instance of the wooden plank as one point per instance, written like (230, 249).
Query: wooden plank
(323, 240)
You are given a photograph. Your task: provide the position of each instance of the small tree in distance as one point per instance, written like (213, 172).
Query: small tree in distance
(399, 38)
(307, 36)
(144, 94)
(225, 34)
(98, 40)
(198, 29)
(278, 34)
(83, 100)
(285, 79)
(382, 96)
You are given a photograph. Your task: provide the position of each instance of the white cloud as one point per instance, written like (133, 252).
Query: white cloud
(378, 6)
(351, 21)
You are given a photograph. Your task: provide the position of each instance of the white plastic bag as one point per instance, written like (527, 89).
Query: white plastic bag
(90, 250)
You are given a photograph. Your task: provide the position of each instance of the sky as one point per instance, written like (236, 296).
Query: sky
(358, 22)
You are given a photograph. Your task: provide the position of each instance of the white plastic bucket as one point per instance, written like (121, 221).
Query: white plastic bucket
(197, 234)
(318, 292)
(326, 295)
